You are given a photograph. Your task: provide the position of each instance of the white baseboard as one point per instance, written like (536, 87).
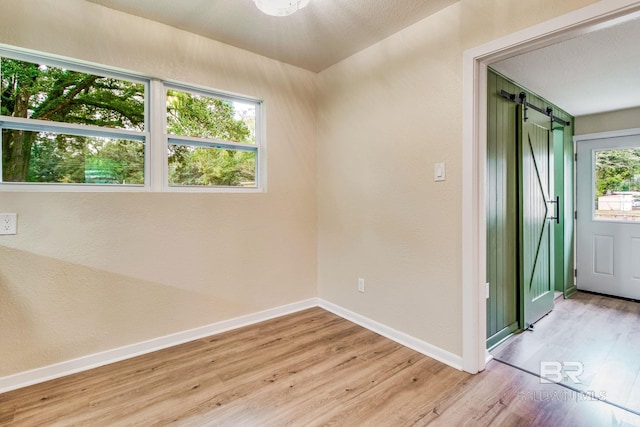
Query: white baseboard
(46, 373)
(58, 370)
(406, 340)
(488, 357)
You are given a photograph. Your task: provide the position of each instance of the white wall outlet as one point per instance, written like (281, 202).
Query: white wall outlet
(8, 223)
(360, 284)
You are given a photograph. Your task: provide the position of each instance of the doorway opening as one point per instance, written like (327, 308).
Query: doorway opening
(588, 343)
(476, 64)
(474, 232)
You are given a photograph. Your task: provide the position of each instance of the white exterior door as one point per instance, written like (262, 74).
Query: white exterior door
(608, 213)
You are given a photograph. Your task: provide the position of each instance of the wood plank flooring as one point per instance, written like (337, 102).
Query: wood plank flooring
(602, 333)
(310, 368)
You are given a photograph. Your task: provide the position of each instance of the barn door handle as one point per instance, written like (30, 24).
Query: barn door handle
(556, 202)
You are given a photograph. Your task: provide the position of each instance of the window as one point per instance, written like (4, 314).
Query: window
(617, 184)
(67, 126)
(62, 125)
(211, 140)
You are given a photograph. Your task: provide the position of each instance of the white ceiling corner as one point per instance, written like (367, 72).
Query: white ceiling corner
(314, 38)
(593, 73)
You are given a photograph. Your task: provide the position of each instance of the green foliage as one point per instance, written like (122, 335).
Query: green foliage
(617, 170)
(210, 166)
(56, 94)
(56, 158)
(124, 158)
(73, 159)
(35, 91)
(206, 117)
(42, 92)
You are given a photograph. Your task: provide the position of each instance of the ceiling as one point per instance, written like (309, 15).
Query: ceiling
(314, 38)
(593, 73)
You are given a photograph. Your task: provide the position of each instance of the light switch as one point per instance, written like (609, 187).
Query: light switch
(439, 172)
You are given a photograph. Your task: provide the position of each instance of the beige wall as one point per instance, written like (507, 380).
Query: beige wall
(385, 116)
(92, 272)
(605, 122)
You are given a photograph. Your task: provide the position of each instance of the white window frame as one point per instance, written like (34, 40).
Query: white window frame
(257, 147)
(154, 136)
(594, 203)
(78, 129)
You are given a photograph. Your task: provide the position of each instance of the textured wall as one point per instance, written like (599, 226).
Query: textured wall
(385, 116)
(91, 272)
(605, 122)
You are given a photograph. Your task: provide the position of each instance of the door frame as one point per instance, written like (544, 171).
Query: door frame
(474, 128)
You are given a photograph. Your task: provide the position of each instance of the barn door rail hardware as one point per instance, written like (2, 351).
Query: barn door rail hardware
(521, 98)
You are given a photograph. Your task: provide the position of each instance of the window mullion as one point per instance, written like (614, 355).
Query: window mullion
(210, 143)
(261, 132)
(35, 125)
(157, 148)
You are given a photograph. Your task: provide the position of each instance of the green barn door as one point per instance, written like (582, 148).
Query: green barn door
(538, 209)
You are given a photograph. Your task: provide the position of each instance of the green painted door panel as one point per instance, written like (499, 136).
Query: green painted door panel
(558, 227)
(502, 223)
(538, 206)
(505, 307)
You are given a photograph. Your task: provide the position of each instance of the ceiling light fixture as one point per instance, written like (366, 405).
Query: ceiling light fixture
(280, 7)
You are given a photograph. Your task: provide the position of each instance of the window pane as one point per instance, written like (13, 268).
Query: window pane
(202, 166)
(190, 114)
(38, 91)
(60, 158)
(617, 184)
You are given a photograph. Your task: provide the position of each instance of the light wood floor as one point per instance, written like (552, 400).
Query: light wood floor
(307, 369)
(602, 333)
